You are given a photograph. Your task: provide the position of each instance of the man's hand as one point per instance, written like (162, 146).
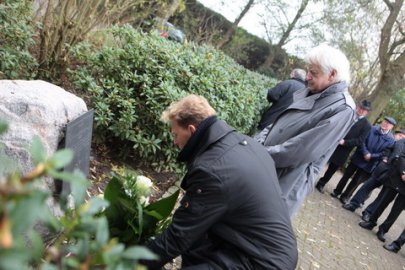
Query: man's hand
(367, 157)
(342, 142)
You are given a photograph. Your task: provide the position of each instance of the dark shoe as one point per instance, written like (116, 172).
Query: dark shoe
(368, 225)
(380, 235)
(365, 217)
(343, 199)
(320, 187)
(391, 247)
(349, 206)
(333, 194)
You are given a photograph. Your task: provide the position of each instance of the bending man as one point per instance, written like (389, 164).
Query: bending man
(232, 215)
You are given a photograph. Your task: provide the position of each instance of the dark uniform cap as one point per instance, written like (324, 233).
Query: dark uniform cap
(391, 120)
(402, 130)
(365, 104)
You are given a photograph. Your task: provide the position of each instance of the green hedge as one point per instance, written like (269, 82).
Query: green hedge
(16, 37)
(132, 81)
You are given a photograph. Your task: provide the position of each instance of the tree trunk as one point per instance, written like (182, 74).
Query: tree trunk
(391, 81)
(392, 62)
(231, 31)
(170, 10)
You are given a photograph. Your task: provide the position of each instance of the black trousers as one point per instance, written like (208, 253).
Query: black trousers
(396, 210)
(332, 168)
(400, 241)
(359, 176)
(385, 197)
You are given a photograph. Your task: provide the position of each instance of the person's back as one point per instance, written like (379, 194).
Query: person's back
(252, 210)
(281, 96)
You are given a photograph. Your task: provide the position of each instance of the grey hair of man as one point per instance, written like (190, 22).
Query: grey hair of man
(329, 59)
(298, 73)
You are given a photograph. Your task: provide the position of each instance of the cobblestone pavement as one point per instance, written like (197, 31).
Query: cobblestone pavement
(329, 237)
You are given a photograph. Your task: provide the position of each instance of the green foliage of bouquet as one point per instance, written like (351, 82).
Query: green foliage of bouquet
(130, 216)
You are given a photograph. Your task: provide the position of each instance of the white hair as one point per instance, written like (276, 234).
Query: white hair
(298, 73)
(329, 58)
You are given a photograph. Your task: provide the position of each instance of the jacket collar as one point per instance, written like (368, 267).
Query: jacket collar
(304, 102)
(208, 132)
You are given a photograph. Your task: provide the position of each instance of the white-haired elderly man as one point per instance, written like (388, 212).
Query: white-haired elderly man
(304, 136)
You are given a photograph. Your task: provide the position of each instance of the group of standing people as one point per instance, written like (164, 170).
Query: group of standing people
(241, 192)
(379, 160)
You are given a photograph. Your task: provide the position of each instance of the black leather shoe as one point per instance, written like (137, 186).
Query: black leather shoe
(365, 217)
(391, 247)
(380, 235)
(343, 199)
(349, 206)
(368, 225)
(320, 187)
(333, 194)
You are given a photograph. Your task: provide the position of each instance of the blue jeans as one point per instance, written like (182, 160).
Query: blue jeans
(364, 192)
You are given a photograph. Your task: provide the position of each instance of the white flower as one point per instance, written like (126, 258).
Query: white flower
(143, 185)
(144, 200)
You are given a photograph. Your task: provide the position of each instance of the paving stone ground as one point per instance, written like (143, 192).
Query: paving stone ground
(329, 237)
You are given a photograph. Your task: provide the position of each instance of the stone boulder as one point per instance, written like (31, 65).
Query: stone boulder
(35, 108)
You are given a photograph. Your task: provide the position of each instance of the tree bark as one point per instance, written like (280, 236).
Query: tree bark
(169, 10)
(231, 31)
(392, 65)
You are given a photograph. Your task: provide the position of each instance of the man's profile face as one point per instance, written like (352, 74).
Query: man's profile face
(361, 111)
(181, 135)
(399, 136)
(317, 80)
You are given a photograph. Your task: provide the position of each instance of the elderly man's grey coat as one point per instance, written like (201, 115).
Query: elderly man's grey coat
(304, 136)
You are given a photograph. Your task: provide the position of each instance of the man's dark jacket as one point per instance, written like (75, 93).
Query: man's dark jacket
(232, 215)
(355, 137)
(398, 167)
(391, 155)
(281, 96)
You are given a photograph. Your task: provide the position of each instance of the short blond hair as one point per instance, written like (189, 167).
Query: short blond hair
(190, 110)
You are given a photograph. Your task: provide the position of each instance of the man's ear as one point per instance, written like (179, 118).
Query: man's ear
(333, 74)
(191, 128)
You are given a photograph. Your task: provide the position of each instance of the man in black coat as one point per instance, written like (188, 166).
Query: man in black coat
(281, 96)
(394, 185)
(355, 137)
(232, 215)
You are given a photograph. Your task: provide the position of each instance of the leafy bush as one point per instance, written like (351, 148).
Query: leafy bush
(81, 238)
(132, 82)
(16, 34)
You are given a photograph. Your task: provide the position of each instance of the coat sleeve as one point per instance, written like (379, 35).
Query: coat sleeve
(357, 141)
(201, 207)
(311, 144)
(275, 93)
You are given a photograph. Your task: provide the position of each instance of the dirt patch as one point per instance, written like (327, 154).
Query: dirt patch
(102, 162)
